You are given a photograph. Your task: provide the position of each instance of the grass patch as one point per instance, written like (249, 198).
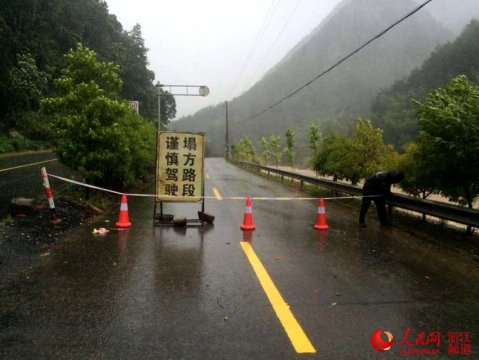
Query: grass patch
(10, 144)
(98, 201)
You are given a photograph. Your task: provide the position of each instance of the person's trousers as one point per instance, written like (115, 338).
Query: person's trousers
(380, 203)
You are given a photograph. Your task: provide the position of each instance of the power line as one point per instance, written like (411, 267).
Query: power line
(337, 63)
(264, 25)
(275, 41)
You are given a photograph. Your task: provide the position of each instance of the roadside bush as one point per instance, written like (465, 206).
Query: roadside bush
(34, 126)
(6, 144)
(10, 144)
(355, 157)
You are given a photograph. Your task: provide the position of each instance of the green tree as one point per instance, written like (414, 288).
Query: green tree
(356, 157)
(26, 85)
(168, 107)
(314, 137)
(290, 146)
(314, 140)
(234, 152)
(137, 78)
(449, 122)
(96, 133)
(276, 150)
(265, 153)
(244, 150)
(420, 178)
(367, 154)
(47, 30)
(27, 82)
(329, 159)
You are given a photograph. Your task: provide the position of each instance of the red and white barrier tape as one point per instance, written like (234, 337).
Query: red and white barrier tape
(258, 198)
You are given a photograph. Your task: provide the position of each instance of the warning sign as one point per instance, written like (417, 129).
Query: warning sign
(134, 105)
(179, 170)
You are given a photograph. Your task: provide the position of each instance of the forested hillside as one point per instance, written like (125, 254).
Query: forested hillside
(35, 36)
(343, 94)
(393, 109)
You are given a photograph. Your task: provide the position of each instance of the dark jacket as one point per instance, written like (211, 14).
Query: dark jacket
(380, 183)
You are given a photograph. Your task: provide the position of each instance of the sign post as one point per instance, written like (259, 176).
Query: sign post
(179, 162)
(179, 171)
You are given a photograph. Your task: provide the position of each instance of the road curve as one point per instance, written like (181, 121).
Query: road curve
(20, 176)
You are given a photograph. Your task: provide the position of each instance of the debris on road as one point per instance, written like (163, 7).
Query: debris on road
(24, 239)
(22, 206)
(56, 221)
(180, 221)
(100, 231)
(206, 217)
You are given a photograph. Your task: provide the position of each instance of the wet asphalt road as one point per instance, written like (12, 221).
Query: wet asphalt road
(20, 176)
(169, 293)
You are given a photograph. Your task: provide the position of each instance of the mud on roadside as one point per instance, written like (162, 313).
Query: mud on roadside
(24, 239)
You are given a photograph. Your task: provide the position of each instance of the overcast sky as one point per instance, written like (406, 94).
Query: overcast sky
(224, 44)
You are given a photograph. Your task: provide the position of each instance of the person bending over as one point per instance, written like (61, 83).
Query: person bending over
(377, 188)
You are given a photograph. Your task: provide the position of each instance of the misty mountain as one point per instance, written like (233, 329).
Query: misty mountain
(394, 112)
(454, 14)
(347, 91)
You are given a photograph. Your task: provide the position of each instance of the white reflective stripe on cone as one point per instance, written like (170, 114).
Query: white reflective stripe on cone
(248, 210)
(321, 210)
(124, 207)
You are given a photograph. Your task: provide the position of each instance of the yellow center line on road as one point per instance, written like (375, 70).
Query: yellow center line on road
(26, 165)
(217, 194)
(295, 333)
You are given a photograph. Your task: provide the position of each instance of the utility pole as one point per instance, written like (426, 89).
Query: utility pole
(227, 152)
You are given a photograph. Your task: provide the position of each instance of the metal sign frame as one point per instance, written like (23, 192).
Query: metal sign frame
(162, 219)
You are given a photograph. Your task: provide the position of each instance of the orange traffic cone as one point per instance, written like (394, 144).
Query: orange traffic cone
(123, 220)
(321, 217)
(248, 216)
(247, 235)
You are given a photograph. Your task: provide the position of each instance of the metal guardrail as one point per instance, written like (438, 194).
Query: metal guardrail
(437, 209)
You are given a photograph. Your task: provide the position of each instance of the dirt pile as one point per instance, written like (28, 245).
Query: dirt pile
(24, 238)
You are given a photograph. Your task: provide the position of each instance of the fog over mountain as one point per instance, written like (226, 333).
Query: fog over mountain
(453, 14)
(343, 94)
(393, 110)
